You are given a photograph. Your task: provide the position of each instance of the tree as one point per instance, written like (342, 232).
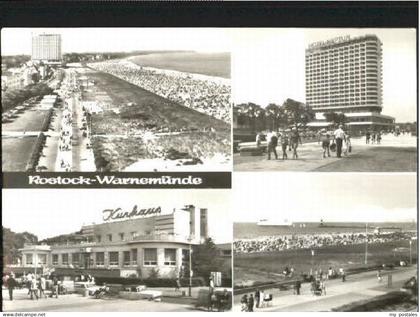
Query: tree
(12, 97)
(12, 242)
(252, 112)
(205, 259)
(335, 118)
(273, 114)
(296, 113)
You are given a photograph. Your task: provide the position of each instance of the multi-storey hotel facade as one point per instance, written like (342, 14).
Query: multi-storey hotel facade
(47, 48)
(344, 75)
(151, 243)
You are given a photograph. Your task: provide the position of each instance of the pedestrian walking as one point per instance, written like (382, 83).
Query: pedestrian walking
(213, 301)
(42, 286)
(257, 298)
(330, 273)
(34, 288)
(11, 284)
(54, 287)
(258, 139)
(373, 138)
(177, 284)
(272, 141)
(339, 137)
(284, 141)
(325, 139)
(323, 288)
(347, 145)
(244, 303)
(28, 282)
(224, 300)
(367, 137)
(342, 274)
(294, 141)
(379, 275)
(251, 303)
(262, 296)
(298, 285)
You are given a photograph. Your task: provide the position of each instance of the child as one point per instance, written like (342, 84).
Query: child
(347, 145)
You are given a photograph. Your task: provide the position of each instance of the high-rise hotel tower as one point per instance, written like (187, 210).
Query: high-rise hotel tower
(46, 48)
(344, 75)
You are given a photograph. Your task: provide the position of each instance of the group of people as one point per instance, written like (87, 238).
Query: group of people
(259, 299)
(67, 89)
(373, 137)
(337, 140)
(36, 285)
(313, 241)
(65, 141)
(204, 95)
(318, 280)
(288, 139)
(219, 301)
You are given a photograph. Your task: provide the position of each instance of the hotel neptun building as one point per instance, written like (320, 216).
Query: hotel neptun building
(344, 75)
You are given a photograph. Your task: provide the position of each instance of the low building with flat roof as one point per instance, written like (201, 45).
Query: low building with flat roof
(137, 242)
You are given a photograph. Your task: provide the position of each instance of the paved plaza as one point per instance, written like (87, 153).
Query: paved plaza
(394, 154)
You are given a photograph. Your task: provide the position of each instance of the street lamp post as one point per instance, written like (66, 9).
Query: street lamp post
(35, 256)
(411, 258)
(366, 245)
(190, 264)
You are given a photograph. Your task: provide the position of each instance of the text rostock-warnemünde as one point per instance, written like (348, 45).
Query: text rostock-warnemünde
(113, 180)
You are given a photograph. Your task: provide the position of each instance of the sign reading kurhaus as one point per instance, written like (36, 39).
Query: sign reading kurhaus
(118, 213)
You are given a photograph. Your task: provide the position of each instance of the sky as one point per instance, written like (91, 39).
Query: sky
(333, 197)
(268, 64)
(52, 212)
(18, 40)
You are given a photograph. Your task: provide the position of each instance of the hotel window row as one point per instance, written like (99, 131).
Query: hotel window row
(121, 237)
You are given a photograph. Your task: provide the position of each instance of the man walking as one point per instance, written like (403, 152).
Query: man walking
(42, 286)
(339, 136)
(177, 284)
(284, 140)
(34, 288)
(294, 141)
(367, 137)
(272, 141)
(298, 285)
(55, 286)
(324, 137)
(251, 303)
(11, 284)
(257, 298)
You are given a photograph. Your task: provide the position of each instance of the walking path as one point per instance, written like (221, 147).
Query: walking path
(84, 153)
(357, 287)
(77, 303)
(49, 155)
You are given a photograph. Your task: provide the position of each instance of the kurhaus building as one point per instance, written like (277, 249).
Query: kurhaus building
(344, 75)
(138, 242)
